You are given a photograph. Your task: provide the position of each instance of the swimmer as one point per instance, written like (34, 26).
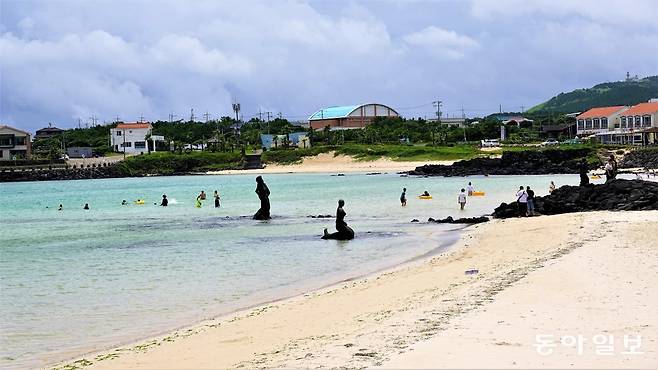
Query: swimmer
(123, 202)
(86, 206)
(61, 208)
(165, 202)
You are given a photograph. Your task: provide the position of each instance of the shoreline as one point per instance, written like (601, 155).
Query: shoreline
(367, 320)
(453, 233)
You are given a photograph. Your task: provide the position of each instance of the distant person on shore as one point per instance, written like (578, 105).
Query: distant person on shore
(403, 197)
(462, 199)
(86, 206)
(610, 168)
(343, 232)
(264, 195)
(470, 189)
(165, 201)
(583, 168)
(530, 201)
(61, 208)
(522, 201)
(216, 196)
(551, 188)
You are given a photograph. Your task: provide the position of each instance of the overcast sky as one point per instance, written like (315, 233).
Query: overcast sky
(61, 61)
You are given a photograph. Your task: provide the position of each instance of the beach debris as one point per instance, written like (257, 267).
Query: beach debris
(471, 272)
(415, 220)
(340, 174)
(373, 173)
(320, 216)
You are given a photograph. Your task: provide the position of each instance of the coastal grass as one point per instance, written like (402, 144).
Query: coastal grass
(293, 156)
(165, 163)
(409, 152)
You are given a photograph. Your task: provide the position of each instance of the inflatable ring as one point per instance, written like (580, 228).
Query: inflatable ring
(478, 194)
(426, 197)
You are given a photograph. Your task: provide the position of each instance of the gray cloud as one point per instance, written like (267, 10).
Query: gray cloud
(67, 60)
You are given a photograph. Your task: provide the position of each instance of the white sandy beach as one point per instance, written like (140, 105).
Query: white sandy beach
(567, 275)
(328, 162)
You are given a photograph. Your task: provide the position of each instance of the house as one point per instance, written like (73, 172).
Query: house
(598, 120)
(130, 137)
(14, 143)
(636, 125)
(510, 119)
(452, 122)
(349, 116)
(48, 132)
(295, 139)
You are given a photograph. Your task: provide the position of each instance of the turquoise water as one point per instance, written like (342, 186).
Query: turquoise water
(76, 281)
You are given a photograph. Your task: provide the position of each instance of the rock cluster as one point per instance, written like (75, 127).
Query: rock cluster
(640, 159)
(616, 195)
(529, 162)
(62, 174)
(464, 220)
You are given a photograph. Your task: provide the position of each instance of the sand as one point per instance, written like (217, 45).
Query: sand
(329, 162)
(575, 274)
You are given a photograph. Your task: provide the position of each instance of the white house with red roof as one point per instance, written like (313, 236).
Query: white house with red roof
(599, 120)
(130, 137)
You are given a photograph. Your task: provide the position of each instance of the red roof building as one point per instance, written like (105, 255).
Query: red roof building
(598, 120)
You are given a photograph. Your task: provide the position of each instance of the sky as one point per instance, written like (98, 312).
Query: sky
(70, 61)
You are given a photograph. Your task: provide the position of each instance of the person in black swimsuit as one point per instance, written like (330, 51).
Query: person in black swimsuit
(264, 195)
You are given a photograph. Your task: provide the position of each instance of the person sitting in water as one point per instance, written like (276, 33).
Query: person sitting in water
(202, 195)
(123, 202)
(343, 232)
(425, 194)
(403, 197)
(86, 206)
(61, 208)
(164, 202)
(470, 189)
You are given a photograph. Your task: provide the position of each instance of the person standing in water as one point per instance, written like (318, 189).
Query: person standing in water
(86, 207)
(264, 195)
(551, 188)
(403, 197)
(217, 198)
(470, 189)
(462, 198)
(202, 196)
(165, 201)
(343, 232)
(61, 208)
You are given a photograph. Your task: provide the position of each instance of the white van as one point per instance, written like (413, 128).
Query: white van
(489, 143)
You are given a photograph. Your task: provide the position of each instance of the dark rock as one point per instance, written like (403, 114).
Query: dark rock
(529, 162)
(641, 158)
(467, 220)
(415, 220)
(616, 195)
(320, 216)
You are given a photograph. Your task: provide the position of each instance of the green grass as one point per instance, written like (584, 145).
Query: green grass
(408, 152)
(164, 163)
(292, 156)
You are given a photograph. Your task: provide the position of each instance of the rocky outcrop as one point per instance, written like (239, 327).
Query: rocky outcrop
(529, 162)
(62, 174)
(616, 195)
(463, 220)
(643, 158)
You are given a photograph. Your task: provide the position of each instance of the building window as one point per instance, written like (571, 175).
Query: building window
(597, 123)
(140, 144)
(581, 124)
(118, 133)
(623, 122)
(7, 140)
(20, 140)
(127, 144)
(638, 122)
(604, 123)
(588, 124)
(1, 153)
(646, 121)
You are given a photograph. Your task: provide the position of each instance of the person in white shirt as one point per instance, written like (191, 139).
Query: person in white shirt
(522, 201)
(462, 199)
(470, 189)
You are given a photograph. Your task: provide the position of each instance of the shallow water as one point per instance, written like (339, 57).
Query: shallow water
(77, 281)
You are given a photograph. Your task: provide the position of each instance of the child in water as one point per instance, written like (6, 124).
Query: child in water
(403, 197)
(462, 199)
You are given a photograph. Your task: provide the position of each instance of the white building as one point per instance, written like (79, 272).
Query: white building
(130, 137)
(599, 120)
(14, 143)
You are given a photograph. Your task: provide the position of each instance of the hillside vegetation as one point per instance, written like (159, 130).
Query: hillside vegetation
(610, 93)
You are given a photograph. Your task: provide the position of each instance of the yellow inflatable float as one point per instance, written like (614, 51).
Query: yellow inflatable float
(426, 197)
(595, 177)
(477, 194)
(139, 201)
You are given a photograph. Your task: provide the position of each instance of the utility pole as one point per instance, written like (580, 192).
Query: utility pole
(94, 120)
(192, 117)
(206, 116)
(171, 117)
(141, 118)
(437, 104)
(260, 115)
(269, 114)
(117, 120)
(280, 115)
(464, 122)
(522, 109)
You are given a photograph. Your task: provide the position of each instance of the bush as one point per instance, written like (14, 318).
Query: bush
(168, 163)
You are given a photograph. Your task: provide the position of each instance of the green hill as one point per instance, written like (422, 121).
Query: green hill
(628, 92)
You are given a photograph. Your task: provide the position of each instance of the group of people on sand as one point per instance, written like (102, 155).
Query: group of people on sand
(461, 198)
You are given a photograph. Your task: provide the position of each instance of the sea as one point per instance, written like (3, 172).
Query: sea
(77, 281)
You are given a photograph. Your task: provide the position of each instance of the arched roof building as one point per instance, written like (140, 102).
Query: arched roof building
(349, 116)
